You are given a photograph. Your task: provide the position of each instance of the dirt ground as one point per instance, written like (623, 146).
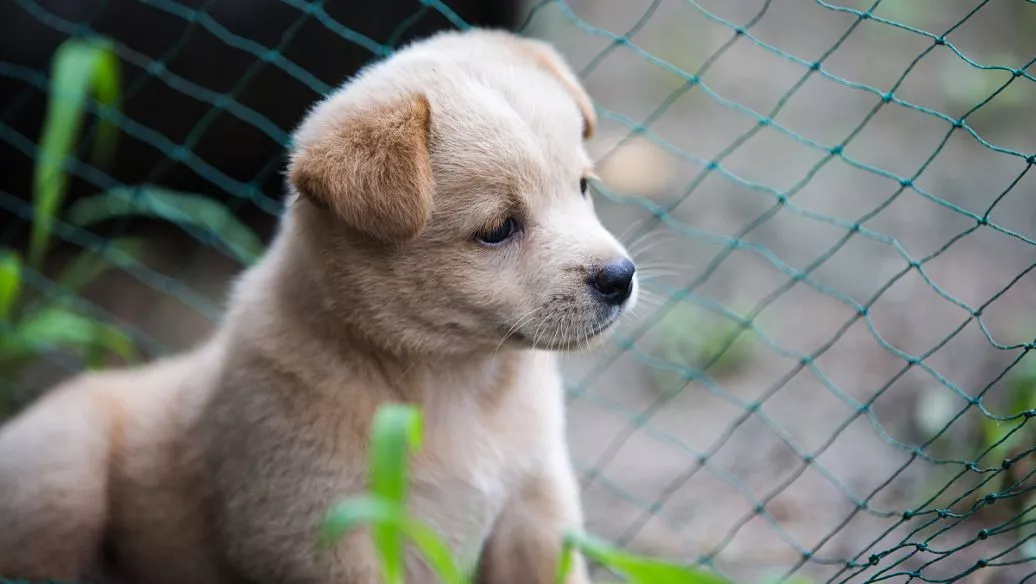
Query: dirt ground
(799, 454)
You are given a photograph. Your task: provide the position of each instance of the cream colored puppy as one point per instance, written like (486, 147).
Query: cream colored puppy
(438, 247)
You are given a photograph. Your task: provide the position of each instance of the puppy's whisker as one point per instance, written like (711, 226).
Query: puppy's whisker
(522, 320)
(632, 227)
(649, 240)
(664, 265)
(538, 332)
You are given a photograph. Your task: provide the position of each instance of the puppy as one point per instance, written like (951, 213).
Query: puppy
(438, 248)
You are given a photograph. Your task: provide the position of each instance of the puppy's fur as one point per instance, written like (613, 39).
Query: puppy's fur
(216, 465)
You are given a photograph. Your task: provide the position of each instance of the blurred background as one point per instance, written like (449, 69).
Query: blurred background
(828, 377)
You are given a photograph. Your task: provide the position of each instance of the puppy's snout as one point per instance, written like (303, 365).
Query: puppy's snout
(613, 282)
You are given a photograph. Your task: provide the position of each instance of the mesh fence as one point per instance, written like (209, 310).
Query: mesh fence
(828, 377)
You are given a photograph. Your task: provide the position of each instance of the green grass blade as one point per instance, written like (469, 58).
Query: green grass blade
(639, 569)
(396, 431)
(10, 283)
(79, 68)
(187, 210)
(380, 512)
(90, 265)
(54, 328)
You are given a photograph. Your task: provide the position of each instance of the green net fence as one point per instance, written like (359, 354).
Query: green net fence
(828, 378)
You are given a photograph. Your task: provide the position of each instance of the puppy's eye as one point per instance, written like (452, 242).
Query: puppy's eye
(499, 234)
(582, 186)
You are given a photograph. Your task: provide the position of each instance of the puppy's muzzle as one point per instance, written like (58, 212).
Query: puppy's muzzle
(613, 281)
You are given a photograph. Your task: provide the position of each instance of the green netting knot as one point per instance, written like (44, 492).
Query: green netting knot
(1030, 159)
(703, 460)
(808, 458)
(940, 40)
(990, 498)
(765, 121)
(806, 360)
(712, 165)
(739, 30)
(983, 220)
(270, 56)
(621, 40)
(915, 264)
(865, 15)
(155, 68)
(874, 559)
(807, 556)
(752, 407)
(908, 515)
(981, 563)
(906, 183)
(814, 66)
(863, 311)
(180, 153)
(855, 228)
(921, 547)
(1030, 413)
(837, 150)
(983, 534)
(887, 97)
(958, 123)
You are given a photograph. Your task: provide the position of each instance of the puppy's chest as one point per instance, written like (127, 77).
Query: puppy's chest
(468, 471)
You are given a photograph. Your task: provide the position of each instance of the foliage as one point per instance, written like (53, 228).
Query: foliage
(396, 432)
(33, 327)
(1013, 441)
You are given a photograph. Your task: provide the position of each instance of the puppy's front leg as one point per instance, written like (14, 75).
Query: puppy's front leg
(526, 541)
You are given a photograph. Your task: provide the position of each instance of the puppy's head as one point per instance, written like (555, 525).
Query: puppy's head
(445, 190)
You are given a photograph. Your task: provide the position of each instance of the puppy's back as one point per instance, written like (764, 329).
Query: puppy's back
(72, 463)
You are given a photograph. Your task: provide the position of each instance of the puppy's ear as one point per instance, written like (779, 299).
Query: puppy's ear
(548, 58)
(370, 166)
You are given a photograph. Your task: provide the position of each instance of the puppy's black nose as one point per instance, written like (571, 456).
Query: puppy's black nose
(613, 281)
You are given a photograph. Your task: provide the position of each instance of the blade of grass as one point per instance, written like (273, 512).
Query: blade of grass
(380, 512)
(54, 327)
(79, 68)
(90, 265)
(10, 283)
(187, 210)
(638, 569)
(396, 431)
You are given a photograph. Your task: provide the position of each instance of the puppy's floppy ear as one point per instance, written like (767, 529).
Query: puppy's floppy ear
(548, 58)
(370, 165)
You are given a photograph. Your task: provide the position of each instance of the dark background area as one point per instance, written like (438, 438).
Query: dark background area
(188, 79)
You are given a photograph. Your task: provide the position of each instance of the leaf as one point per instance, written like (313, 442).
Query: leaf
(79, 67)
(640, 569)
(91, 264)
(59, 328)
(396, 430)
(381, 512)
(187, 210)
(10, 283)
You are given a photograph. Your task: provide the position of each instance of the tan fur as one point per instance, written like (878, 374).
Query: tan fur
(372, 169)
(215, 466)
